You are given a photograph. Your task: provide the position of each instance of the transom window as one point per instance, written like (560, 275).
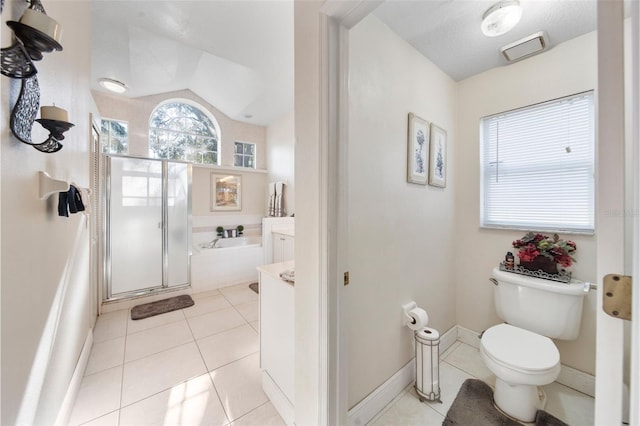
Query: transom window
(183, 130)
(114, 136)
(244, 154)
(538, 166)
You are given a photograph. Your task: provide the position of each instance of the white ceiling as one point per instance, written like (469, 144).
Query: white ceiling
(448, 31)
(238, 54)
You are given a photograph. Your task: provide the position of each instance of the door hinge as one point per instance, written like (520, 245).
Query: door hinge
(616, 295)
(346, 278)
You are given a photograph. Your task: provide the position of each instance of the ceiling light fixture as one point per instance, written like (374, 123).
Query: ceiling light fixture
(113, 85)
(501, 17)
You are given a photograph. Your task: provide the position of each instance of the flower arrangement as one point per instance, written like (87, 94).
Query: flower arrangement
(533, 245)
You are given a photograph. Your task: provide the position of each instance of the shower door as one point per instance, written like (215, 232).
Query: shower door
(148, 225)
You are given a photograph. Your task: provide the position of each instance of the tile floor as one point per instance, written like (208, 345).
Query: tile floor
(200, 365)
(193, 366)
(461, 362)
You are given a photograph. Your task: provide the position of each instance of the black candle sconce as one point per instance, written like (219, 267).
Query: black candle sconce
(35, 33)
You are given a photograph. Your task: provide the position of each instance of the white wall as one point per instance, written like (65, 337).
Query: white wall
(137, 111)
(254, 188)
(566, 69)
(308, 227)
(401, 244)
(44, 255)
(280, 157)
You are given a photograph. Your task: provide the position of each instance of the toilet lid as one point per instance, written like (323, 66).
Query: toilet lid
(519, 348)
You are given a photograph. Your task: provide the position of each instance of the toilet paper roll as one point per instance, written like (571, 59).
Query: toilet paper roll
(427, 334)
(418, 318)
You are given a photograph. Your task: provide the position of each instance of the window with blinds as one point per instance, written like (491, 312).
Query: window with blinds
(537, 166)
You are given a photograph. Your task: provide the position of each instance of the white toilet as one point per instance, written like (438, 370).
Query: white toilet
(521, 353)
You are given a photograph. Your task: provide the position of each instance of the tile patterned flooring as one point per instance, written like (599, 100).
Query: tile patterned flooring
(461, 362)
(200, 365)
(194, 366)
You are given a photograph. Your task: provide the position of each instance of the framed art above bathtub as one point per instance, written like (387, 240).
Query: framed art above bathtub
(226, 192)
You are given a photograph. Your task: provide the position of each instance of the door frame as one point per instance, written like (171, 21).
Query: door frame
(337, 17)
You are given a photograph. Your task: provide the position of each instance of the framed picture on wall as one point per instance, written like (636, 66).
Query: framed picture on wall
(226, 192)
(417, 148)
(438, 157)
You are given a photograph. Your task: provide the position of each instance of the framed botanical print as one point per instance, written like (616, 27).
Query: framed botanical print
(417, 149)
(438, 157)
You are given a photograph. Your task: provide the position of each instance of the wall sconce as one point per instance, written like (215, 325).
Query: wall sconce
(35, 33)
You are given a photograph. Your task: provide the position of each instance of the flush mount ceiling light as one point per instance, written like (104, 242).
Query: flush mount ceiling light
(113, 85)
(501, 17)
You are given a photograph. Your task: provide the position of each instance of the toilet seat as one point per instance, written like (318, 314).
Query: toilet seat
(519, 349)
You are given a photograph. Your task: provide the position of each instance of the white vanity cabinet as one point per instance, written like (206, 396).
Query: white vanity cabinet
(277, 350)
(283, 247)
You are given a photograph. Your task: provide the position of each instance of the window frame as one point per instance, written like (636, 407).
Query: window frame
(204, 111)
(105, 140)
(243, 155)
(484, 174)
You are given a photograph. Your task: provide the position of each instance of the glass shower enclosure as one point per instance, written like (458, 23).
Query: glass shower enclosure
(147, 226)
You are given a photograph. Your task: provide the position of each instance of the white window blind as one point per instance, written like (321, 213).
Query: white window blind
(537, 166)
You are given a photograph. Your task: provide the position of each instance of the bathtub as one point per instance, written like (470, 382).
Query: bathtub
(232, 261)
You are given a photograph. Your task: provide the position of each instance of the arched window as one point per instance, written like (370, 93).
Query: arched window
(183, 130)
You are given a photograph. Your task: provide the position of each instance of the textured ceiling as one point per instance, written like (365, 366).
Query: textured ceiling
(237, 55)
(448, 31)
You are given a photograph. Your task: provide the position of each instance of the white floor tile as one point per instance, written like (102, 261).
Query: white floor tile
(248, 310)
(256, 326)
(449, 350)
(110, 419)
(194, 402)
(408, 410)
(206, 305)
(157, 339)
(264, 415)
(109, 326)
(228, 346)
(105, 355)
(215, 322)
(240, 386)
(467, 358)
(99, 394)
(570, 406)
(155, 373)
(136, 326)
(451, 379)
(204, 294)
(239, 294)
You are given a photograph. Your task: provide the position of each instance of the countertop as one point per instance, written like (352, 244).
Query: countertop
(274, 269)
(284, 230)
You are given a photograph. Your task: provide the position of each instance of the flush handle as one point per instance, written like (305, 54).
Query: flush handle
(494, 281)
(616, 296)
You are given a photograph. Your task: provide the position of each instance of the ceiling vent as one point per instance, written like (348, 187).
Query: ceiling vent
(528, 46)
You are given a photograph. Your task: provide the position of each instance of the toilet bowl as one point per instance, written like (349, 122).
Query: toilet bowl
(521, 360)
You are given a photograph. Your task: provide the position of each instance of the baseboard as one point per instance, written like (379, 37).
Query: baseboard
(76, 380)
(278, 399)
(375, 402)
(578, 380)
(367, 409)
(448, 339)
(469, 337)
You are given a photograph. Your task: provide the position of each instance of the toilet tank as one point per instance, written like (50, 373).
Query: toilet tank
(549, 308)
